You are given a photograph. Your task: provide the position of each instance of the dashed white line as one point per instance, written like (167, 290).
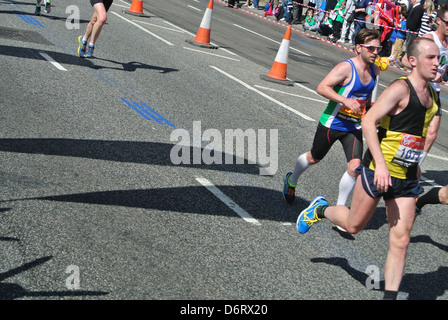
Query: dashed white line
(291, 94)
(212, 54)
(51, 60)
(146, 30)
(227, 201)
(260, 35)
(158, 26)
(304, 116)
(197, 9)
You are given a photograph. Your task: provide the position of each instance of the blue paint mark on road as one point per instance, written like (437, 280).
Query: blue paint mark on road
(30, 20)
(147, 113)
(301, 41)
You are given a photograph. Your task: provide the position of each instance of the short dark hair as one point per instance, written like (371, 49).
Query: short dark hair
(441, 12)
(365, 35)
(413, 48)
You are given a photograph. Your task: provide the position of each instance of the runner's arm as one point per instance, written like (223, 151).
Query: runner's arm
(387, 103)
(339, 75)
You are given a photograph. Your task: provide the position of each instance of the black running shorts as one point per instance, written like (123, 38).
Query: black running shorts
(107, 3)
(325, 138)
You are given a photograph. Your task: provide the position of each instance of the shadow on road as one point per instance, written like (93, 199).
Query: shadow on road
(10, 291)
(73, 59)
(426, 286)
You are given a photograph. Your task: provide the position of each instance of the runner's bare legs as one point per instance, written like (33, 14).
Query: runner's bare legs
(96, 23)
(401, 215)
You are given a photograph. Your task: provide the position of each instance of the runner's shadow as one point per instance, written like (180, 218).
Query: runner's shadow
(427, 239)
(439, 176)
(152, 153)
(261, 203)
(73, 59)
(10, 291)
(133, 66)
(426, 286)
(42, 15)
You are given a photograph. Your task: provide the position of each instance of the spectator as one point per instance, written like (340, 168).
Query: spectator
(428, 18)
(339, 11)
(310, 22)
(312, 3)
(348, 26)
(297, 11)
(414, 21)
(287, 6)
(255, 4)
(360, 17)
(386, 26)
(326, 26)
(331, 4)
(401, 38)
(407, 4)
(321, 12)
(392, 40)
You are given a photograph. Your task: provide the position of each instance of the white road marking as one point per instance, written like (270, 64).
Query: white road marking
(120, 5)
(159, 26)
(51, 60)
(291, 94)
(304, 116)
(227, 201)
(197, 9)
(430, 182)
(146, 30)
(212, 54)
(260, 35)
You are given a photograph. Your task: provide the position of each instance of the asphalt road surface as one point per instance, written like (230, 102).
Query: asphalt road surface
(108, 187)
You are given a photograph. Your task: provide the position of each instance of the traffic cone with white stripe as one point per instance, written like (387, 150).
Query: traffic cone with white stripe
(202, 38)
(278, 70)
(136, 8)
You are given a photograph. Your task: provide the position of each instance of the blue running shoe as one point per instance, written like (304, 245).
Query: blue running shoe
(81, 47)
(309, 216)
(89, 52)
(288, 190)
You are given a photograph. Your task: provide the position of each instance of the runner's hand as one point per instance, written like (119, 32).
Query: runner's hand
(382, 179)
(353, 105)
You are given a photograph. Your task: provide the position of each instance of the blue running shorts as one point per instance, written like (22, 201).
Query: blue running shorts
(400, 187)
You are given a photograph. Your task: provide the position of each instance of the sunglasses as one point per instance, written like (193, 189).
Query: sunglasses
(446, 22)
(371, 48)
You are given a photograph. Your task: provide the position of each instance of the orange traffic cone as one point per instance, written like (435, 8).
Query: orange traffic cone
(278, 70)
(136, 8)
(202, 38)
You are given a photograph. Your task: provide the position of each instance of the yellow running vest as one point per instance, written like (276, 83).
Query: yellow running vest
(402, 137)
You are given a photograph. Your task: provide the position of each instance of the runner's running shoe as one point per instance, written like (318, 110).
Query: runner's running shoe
(89, 52)
(81, 47)
(288, 190)
(47, 7)
(37, 11)
(309, 216)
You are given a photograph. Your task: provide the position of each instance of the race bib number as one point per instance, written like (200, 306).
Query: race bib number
(348, 114)
(409, 151)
